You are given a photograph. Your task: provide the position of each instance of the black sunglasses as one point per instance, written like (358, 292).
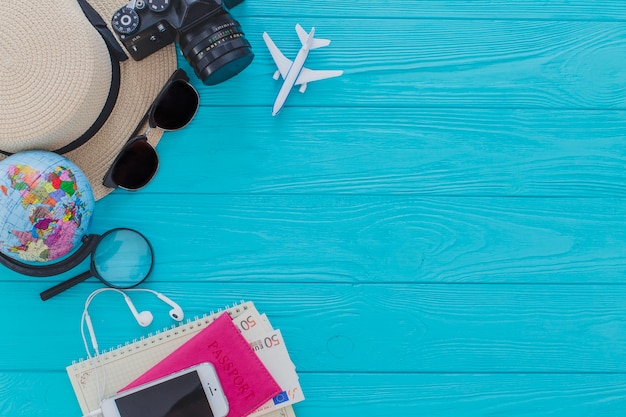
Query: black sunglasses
(138, 161)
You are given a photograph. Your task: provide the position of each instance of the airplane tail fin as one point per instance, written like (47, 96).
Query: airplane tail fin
(304, 38)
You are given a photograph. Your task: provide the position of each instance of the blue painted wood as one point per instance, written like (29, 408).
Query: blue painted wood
(400, 151)
(577, 395)
(604, 10)
(374, 239)
(360, 328)
(438, 232)
(443, 63)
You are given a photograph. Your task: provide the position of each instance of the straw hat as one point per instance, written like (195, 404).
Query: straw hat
(58, 84)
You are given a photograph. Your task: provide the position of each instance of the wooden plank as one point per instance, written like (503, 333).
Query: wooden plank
(44, 394)
(395, 295)
(428, 9)
(375, 239)
(359, 328)
(441, 63)
(388, 239)
(37, 394)
(449, 152)
(338, 395)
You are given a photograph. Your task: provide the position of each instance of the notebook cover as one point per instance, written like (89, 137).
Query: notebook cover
(246, 382)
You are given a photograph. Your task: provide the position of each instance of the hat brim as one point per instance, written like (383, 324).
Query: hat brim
(140, 83)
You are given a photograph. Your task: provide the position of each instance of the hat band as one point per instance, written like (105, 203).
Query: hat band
(117, 54)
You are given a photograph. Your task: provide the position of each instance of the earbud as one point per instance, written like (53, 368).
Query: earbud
(176, 312)
(144, 318)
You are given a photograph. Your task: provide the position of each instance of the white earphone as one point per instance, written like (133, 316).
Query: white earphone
(176, 312)
(144, 318)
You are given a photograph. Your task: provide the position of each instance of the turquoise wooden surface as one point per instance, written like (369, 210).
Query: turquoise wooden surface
(439, 232)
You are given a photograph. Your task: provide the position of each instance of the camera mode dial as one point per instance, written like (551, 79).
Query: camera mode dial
(125, 21)
(158, 5)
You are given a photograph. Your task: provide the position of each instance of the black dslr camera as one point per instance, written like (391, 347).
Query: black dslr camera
(210, 39)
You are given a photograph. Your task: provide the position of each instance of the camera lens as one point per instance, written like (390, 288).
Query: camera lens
(217, 49)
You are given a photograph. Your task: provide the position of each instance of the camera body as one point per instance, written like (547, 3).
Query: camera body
(209, 38)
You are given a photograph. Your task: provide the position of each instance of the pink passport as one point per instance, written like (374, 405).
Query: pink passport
(246, 382)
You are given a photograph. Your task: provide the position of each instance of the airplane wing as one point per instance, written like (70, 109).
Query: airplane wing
(308, 76)
(282, 62)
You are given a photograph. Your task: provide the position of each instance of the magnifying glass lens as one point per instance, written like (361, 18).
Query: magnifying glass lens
(123, 258)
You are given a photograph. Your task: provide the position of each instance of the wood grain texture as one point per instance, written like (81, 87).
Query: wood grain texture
(438, 232)
(45, 394)
(372, 239)
(446, 9)
(448, 152)
(360, 328)
(439, 63)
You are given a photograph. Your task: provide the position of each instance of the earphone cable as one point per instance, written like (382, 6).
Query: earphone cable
(96, 356)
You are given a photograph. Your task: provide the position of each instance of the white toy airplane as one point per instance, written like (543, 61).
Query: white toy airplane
(294, 72)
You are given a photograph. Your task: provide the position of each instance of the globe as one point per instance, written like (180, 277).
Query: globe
(46, 204)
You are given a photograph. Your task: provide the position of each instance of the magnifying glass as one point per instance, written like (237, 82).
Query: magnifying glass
(120, 258)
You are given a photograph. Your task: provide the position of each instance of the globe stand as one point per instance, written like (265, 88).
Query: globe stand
(89, 242)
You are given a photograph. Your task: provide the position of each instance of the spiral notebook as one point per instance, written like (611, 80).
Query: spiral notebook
(106, 374)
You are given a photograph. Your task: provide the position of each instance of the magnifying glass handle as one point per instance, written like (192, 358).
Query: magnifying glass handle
(59, 288)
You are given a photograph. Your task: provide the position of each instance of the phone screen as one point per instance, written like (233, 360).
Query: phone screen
(182, 396)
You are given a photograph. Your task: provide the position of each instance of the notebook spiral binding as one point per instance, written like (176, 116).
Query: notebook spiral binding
(163, 335)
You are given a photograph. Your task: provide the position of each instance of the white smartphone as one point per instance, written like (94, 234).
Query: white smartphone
(193, 392)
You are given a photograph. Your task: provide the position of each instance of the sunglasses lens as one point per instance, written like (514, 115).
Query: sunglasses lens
(136, 165)
(176, 107)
